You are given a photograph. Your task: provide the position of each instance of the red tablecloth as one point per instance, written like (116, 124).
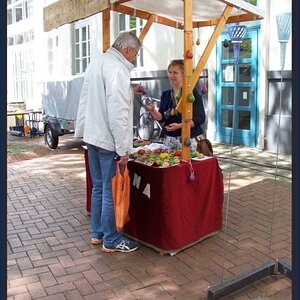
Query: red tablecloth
(167, 211)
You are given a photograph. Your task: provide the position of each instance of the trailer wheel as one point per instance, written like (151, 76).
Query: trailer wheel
(51, 138)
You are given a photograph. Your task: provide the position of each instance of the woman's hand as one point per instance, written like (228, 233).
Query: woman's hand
(150, 107)
(173, 126)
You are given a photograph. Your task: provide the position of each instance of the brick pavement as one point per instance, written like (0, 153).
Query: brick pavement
(49, 255)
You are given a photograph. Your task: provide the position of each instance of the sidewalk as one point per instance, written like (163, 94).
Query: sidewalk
(50, 257)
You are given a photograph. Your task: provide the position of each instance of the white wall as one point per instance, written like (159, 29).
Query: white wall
(269, 55)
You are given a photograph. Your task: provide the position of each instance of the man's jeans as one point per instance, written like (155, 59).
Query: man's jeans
(103, 169)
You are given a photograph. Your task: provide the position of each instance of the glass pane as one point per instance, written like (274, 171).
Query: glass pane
(83, 37)
(132, 23)
(50, 44)
(228, 73)
(227, 95)
(244, 73)
(9, 16)
(25, 10)
(26, 37)
(77, 54)
(88, 31)
(77, 35)
(77, 66)
(245, 50)
(244, 120)
(227, 118)
(84, 49)
(84, 64)
(244, 96)
(18, 13)
(30, 8)
(31, 34)
(227, 52)
(122, 22)
(254, 2)
(10, 41)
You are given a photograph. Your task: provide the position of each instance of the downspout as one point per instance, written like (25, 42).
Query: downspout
(263, 144)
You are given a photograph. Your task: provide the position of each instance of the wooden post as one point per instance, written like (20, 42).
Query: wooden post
(146, 27)
(106, 29)
(187, 107)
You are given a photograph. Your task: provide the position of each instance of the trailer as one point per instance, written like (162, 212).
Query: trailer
(60, 100)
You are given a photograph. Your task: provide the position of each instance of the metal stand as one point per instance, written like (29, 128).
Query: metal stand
(240, 281)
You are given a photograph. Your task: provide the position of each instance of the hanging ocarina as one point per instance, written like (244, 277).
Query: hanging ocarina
(192, 176)
(187, 142)
(203, 89)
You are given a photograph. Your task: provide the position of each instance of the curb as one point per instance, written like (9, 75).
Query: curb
(27, 155)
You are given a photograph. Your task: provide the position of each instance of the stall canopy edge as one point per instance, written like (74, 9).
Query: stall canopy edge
(167, 12)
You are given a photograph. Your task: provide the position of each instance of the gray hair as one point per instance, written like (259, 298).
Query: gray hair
(127, 39)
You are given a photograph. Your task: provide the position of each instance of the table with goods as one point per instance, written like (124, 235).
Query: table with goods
(174, 204)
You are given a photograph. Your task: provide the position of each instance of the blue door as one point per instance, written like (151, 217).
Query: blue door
(236, 103)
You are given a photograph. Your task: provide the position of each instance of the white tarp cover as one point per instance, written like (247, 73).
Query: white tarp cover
(60, 99)
(203, 10)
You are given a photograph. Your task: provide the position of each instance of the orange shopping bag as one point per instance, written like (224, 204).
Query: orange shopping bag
(121, 194)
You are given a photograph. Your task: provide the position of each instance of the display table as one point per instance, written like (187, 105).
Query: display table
(167, 211)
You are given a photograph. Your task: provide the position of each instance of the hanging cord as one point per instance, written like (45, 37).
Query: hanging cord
(276, 167)
(229, 179)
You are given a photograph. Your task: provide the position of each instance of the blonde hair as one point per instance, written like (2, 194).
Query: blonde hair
(177, 63)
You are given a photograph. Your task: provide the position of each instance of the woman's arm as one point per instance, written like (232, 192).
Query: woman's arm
(154, 112)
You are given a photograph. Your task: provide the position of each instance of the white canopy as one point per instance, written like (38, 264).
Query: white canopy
(167, 12)
(201, 10)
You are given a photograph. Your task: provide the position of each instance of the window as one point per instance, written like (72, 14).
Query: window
(21, 73)
(82, 48)
(9, 16)
(20, 54)
(19, 10)
(134, 24)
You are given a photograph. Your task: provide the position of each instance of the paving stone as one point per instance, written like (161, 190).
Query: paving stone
(48, 231)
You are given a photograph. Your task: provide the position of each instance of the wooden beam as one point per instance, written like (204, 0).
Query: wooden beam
(145, 15)
(67, 11)
(205, 55)
(245, 7)
(210, 45)
(147, 27)
(233, 19)
(121, 1)
(187, 107)
(106, 29)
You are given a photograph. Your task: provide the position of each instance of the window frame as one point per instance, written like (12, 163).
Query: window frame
(82, 46)
(137, 29)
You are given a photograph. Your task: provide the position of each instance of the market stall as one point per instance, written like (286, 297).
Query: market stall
(181, 14)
